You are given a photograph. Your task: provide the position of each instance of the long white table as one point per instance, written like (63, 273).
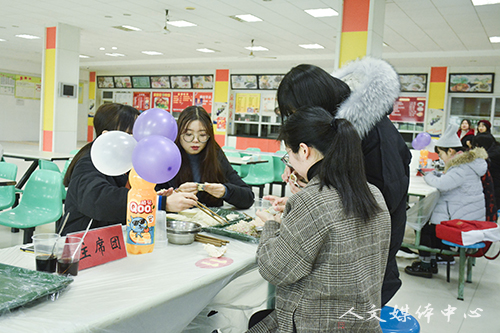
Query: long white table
(34, 156)
(158, 292)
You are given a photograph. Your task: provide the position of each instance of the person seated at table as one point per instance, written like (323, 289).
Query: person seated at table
(483, 126)
(94, 195)
(205, 170)
(327, 255)
(466, 133)
(461, 195)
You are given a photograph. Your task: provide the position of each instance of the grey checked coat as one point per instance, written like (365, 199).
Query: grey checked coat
(324, 264)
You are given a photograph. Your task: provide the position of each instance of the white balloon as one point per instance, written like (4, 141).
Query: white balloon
(112, 151)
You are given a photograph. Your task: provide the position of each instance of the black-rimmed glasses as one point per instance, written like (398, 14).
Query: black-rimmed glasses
(189, 137)
(286, 159)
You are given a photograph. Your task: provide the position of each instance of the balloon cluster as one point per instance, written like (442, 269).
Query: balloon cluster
(421, 141)
(151, 150)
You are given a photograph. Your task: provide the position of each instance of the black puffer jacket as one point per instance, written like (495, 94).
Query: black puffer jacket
(375, 86)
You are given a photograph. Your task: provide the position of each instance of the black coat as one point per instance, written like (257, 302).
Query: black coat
(92, 194)
(238, 194)
(494, 167)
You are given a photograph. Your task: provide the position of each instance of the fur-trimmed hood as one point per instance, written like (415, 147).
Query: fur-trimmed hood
(469, 157)
(375, 86)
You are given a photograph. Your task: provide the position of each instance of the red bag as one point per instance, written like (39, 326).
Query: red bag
(465, 232)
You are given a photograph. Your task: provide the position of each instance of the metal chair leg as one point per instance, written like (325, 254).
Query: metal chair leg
(28, 233)
(461, 274)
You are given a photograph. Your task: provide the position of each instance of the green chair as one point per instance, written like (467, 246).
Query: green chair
(261, 174)
(49, 165)
(237, 168)
(7, 193)
(279, 168)
(40, 204)
(224, 148)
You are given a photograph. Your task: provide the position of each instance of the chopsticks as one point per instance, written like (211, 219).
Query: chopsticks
(212, 214)
(210, 240)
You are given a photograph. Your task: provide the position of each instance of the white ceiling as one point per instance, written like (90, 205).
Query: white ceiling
(419, 33)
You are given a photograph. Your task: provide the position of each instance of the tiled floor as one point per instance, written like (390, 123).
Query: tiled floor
(432, 298)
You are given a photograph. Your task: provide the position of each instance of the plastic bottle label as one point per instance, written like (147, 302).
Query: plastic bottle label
(141, 223)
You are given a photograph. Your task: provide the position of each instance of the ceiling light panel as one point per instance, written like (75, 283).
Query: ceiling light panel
(115, 54)
(248, 18)
(84, 56)
(25, 36)
(322, 12)
(152, 53)
(181, 24)
(312, 46)
(2, 40)
(205, 50)
(495, 39)
(484, 2)
(256, 48)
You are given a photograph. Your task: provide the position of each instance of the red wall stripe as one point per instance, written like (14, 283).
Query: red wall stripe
(92, 76)
(355, 15)
(222, 75)
(50, 42)
(438, 74)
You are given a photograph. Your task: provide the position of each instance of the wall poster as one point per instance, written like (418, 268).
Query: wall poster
(161, 100)
(7, 84)
(203, 99)
(472, 83)
(28, 87)
(181, 100)
(413, 82)
(142, 100)
(162, 82)
(243, 81)
(203, 81)
(105, 82)
(180, 82)
(247, 103)
(408, 109)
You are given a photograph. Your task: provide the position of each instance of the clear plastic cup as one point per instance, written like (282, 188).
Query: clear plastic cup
(44, 247)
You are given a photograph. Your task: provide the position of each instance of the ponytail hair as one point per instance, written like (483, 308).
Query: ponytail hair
(343, 161)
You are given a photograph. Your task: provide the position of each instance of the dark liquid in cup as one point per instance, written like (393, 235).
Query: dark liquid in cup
(65, 267)
(46, 263)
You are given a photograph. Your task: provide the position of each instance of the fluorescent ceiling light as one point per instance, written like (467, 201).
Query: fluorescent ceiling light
(311, 46)
(84, 56)
(495, 39)
(2, 40)
(27, 36)
(151, 53)
(321, 12)
(484, 2)
(115, 54)
(248, 18)
(256, 48)
(205, 50)
(114, 48)
(129, 27)
(181, 24)
(102, 48)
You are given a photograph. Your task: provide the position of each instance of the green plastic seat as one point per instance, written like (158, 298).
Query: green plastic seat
(49, 165)
(224, 148)
(74, 152)
(7, 193)
(250, 150)
(41, 203)
(279, 168)
(237, 168)
(261, 174)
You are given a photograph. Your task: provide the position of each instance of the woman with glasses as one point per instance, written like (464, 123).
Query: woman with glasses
(205, 170)
(363, 92)
(327, 254)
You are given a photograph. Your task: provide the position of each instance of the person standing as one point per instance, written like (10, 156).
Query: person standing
(466, 133)
(375, 87)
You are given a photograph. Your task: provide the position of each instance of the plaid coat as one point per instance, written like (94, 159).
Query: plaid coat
(327, 268)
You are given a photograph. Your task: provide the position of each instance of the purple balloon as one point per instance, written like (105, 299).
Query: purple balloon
(424, 138)
(156, 159)
(155, 122)
(416, 144)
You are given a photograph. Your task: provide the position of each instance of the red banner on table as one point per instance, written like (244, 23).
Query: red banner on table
(181, 100)
(409, 109)
(142, 100)
(101, 245)
(161, 100)
(203, 99)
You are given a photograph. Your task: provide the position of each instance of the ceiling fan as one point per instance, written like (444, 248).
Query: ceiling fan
(252, 48)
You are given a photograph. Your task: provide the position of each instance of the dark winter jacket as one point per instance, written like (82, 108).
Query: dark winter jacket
(238, 193)
(494, 167)
(92, 194)
(375, 86)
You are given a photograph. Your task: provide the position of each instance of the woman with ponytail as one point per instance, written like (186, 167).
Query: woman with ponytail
(327, 255)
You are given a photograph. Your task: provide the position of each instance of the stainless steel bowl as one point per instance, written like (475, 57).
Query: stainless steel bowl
(182, 232)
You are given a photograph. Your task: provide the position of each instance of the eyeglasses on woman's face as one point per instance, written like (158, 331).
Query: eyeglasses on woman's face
(190, 136)
(286, 159)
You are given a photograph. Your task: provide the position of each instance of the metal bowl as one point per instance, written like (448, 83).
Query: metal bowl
(182, 232)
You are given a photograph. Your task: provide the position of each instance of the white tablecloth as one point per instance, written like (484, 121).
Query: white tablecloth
(158, 292)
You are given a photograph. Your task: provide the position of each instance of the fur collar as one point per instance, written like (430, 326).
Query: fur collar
(466, 157)
(375, 87)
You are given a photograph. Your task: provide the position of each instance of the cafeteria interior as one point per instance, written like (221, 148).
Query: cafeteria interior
(434, 299)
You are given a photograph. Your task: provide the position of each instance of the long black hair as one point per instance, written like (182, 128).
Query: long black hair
(108, 117)
(309, 85)
(343, 162)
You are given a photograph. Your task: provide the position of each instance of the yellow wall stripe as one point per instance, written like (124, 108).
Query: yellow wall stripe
(437, 94)
(48, 89)
(220, 91)
(352, 46)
